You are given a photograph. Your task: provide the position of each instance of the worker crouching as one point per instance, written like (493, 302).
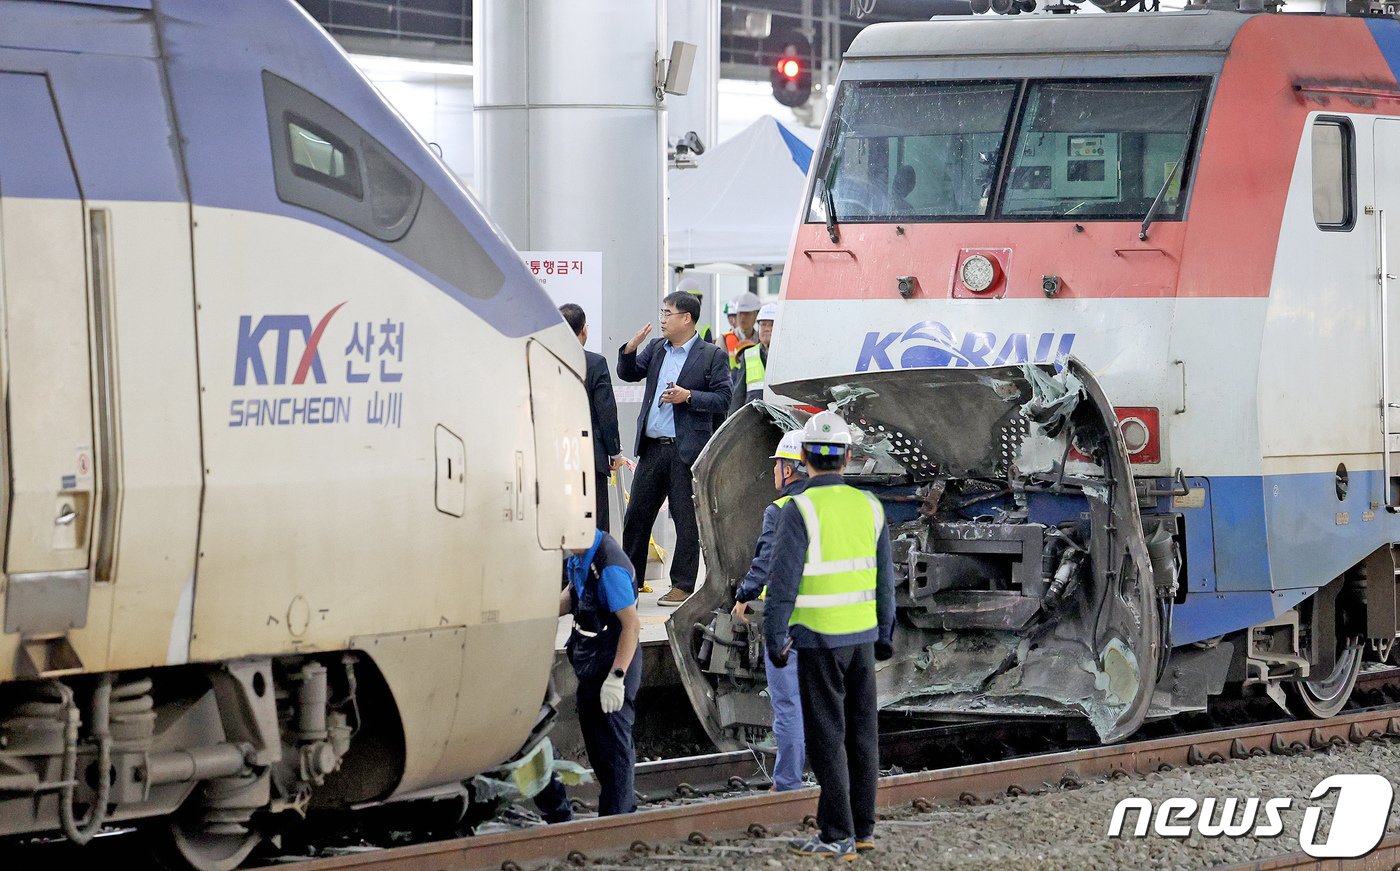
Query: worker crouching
(831, 597)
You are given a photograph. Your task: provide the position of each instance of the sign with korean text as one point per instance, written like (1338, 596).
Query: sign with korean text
(573, 276)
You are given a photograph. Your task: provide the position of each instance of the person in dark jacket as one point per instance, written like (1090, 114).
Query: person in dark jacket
(789, 479)
(687, 384)
(602, 411)
(831, 596)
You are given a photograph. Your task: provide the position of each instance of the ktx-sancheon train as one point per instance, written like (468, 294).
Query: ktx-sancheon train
(1110, 301)
(292, 443)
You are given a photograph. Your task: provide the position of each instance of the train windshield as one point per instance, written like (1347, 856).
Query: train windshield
(1102, 149)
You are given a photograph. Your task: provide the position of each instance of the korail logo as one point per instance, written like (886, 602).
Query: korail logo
(931, 344)
(1356, 826)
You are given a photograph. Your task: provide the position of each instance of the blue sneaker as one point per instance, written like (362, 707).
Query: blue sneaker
(816, 847)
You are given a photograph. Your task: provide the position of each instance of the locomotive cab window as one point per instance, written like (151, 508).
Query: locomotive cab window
(323, 158)
(1333, 175)
(323, 161)
(1105, 149)
(913, 150)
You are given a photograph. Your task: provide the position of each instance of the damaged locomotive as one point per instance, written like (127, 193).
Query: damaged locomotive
(1033, 578)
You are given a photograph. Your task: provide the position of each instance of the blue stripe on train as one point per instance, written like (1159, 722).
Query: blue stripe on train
(1260, 545)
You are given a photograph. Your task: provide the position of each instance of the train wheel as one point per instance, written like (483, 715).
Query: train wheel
(1322, 697)
(181, 845)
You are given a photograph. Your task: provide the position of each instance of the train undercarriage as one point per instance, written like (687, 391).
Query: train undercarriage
(1035, 575)
(208, 759)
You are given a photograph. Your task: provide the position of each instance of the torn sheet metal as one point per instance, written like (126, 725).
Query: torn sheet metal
(1024, 584)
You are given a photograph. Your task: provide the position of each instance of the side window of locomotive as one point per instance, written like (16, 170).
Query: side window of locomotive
(322, 157)
(1333, 175)
(912, 150)
(1103, 149)
(323, 161)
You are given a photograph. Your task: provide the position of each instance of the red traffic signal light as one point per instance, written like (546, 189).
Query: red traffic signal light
(791, 77)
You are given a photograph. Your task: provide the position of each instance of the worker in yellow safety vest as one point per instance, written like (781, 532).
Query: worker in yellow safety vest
(753, 362)
(831, 596)
(744, 333)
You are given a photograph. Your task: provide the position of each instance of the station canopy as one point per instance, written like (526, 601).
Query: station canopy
(740, 204)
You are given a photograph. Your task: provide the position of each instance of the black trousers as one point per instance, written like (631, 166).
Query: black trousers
(601, 516)
(608, 740)
(661, 476)
(842, 734)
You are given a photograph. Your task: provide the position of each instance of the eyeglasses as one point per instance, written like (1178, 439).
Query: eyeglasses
(666, 314)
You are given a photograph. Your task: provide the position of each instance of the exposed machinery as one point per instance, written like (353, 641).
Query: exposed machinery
(293, 440)
(1108, 302)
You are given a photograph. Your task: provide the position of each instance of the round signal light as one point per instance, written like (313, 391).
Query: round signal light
(1136, 435)
(789, 67)
(979, 272)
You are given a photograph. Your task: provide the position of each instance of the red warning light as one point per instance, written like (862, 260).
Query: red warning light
(790, 67)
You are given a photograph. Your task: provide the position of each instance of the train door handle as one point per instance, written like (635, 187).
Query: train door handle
(66, 515)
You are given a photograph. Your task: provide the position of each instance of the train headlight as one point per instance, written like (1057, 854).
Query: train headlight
(978, 273)
(1136, 435)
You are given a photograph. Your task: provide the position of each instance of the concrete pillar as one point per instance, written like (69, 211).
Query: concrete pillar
(571, 147)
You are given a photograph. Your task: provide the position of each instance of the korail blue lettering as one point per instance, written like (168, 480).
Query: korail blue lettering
(931, 344)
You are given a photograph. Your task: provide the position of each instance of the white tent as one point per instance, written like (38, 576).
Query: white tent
(740, 204)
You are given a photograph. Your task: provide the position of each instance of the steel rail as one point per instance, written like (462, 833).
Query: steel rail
(701, 822)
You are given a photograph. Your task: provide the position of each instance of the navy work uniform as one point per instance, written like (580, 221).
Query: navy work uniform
(783, 689)
(831, 591)
(600, 584)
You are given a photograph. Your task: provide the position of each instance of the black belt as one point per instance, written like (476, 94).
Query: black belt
(661, 440)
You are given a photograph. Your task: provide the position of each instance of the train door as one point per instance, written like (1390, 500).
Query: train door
(563, 455)
(44, 359)
(1387, 216)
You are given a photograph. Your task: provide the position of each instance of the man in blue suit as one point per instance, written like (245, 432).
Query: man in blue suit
(687, 386)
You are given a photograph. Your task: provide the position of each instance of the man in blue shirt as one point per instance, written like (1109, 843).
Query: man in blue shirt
(789, 478)
(687, 387)
(603, 649)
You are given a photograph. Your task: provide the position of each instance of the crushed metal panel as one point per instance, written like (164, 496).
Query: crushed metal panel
(1024, 584)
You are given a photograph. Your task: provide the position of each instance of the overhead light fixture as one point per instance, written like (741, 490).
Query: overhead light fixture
(375, 65)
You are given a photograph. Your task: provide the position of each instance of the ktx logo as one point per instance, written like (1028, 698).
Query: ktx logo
(250, 359)
(931, 344)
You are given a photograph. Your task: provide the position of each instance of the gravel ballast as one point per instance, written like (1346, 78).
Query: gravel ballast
(1068, 829)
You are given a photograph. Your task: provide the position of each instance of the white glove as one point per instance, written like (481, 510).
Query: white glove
(612, 694)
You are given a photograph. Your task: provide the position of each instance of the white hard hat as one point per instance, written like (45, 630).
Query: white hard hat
(747, 302)
(769, 312)
(690, 285)
(790, 448)
(729, 307)
(826, 428)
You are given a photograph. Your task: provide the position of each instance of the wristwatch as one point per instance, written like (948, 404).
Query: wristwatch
(617, 672)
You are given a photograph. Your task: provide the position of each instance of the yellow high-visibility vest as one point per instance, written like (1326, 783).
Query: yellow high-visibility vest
(837, 593)
(753, 369)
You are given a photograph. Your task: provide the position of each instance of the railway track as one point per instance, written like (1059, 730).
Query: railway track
(756, 816)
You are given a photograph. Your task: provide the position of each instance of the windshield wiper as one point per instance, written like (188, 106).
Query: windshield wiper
(1157, 200)
(829, 206)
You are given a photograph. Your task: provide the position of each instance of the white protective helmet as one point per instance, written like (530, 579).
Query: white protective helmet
(790, 448)
(747, 302)
(826, 428)
(769, 312)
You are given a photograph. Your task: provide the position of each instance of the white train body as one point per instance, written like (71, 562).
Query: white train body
(279, 397)
(1192, 206)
